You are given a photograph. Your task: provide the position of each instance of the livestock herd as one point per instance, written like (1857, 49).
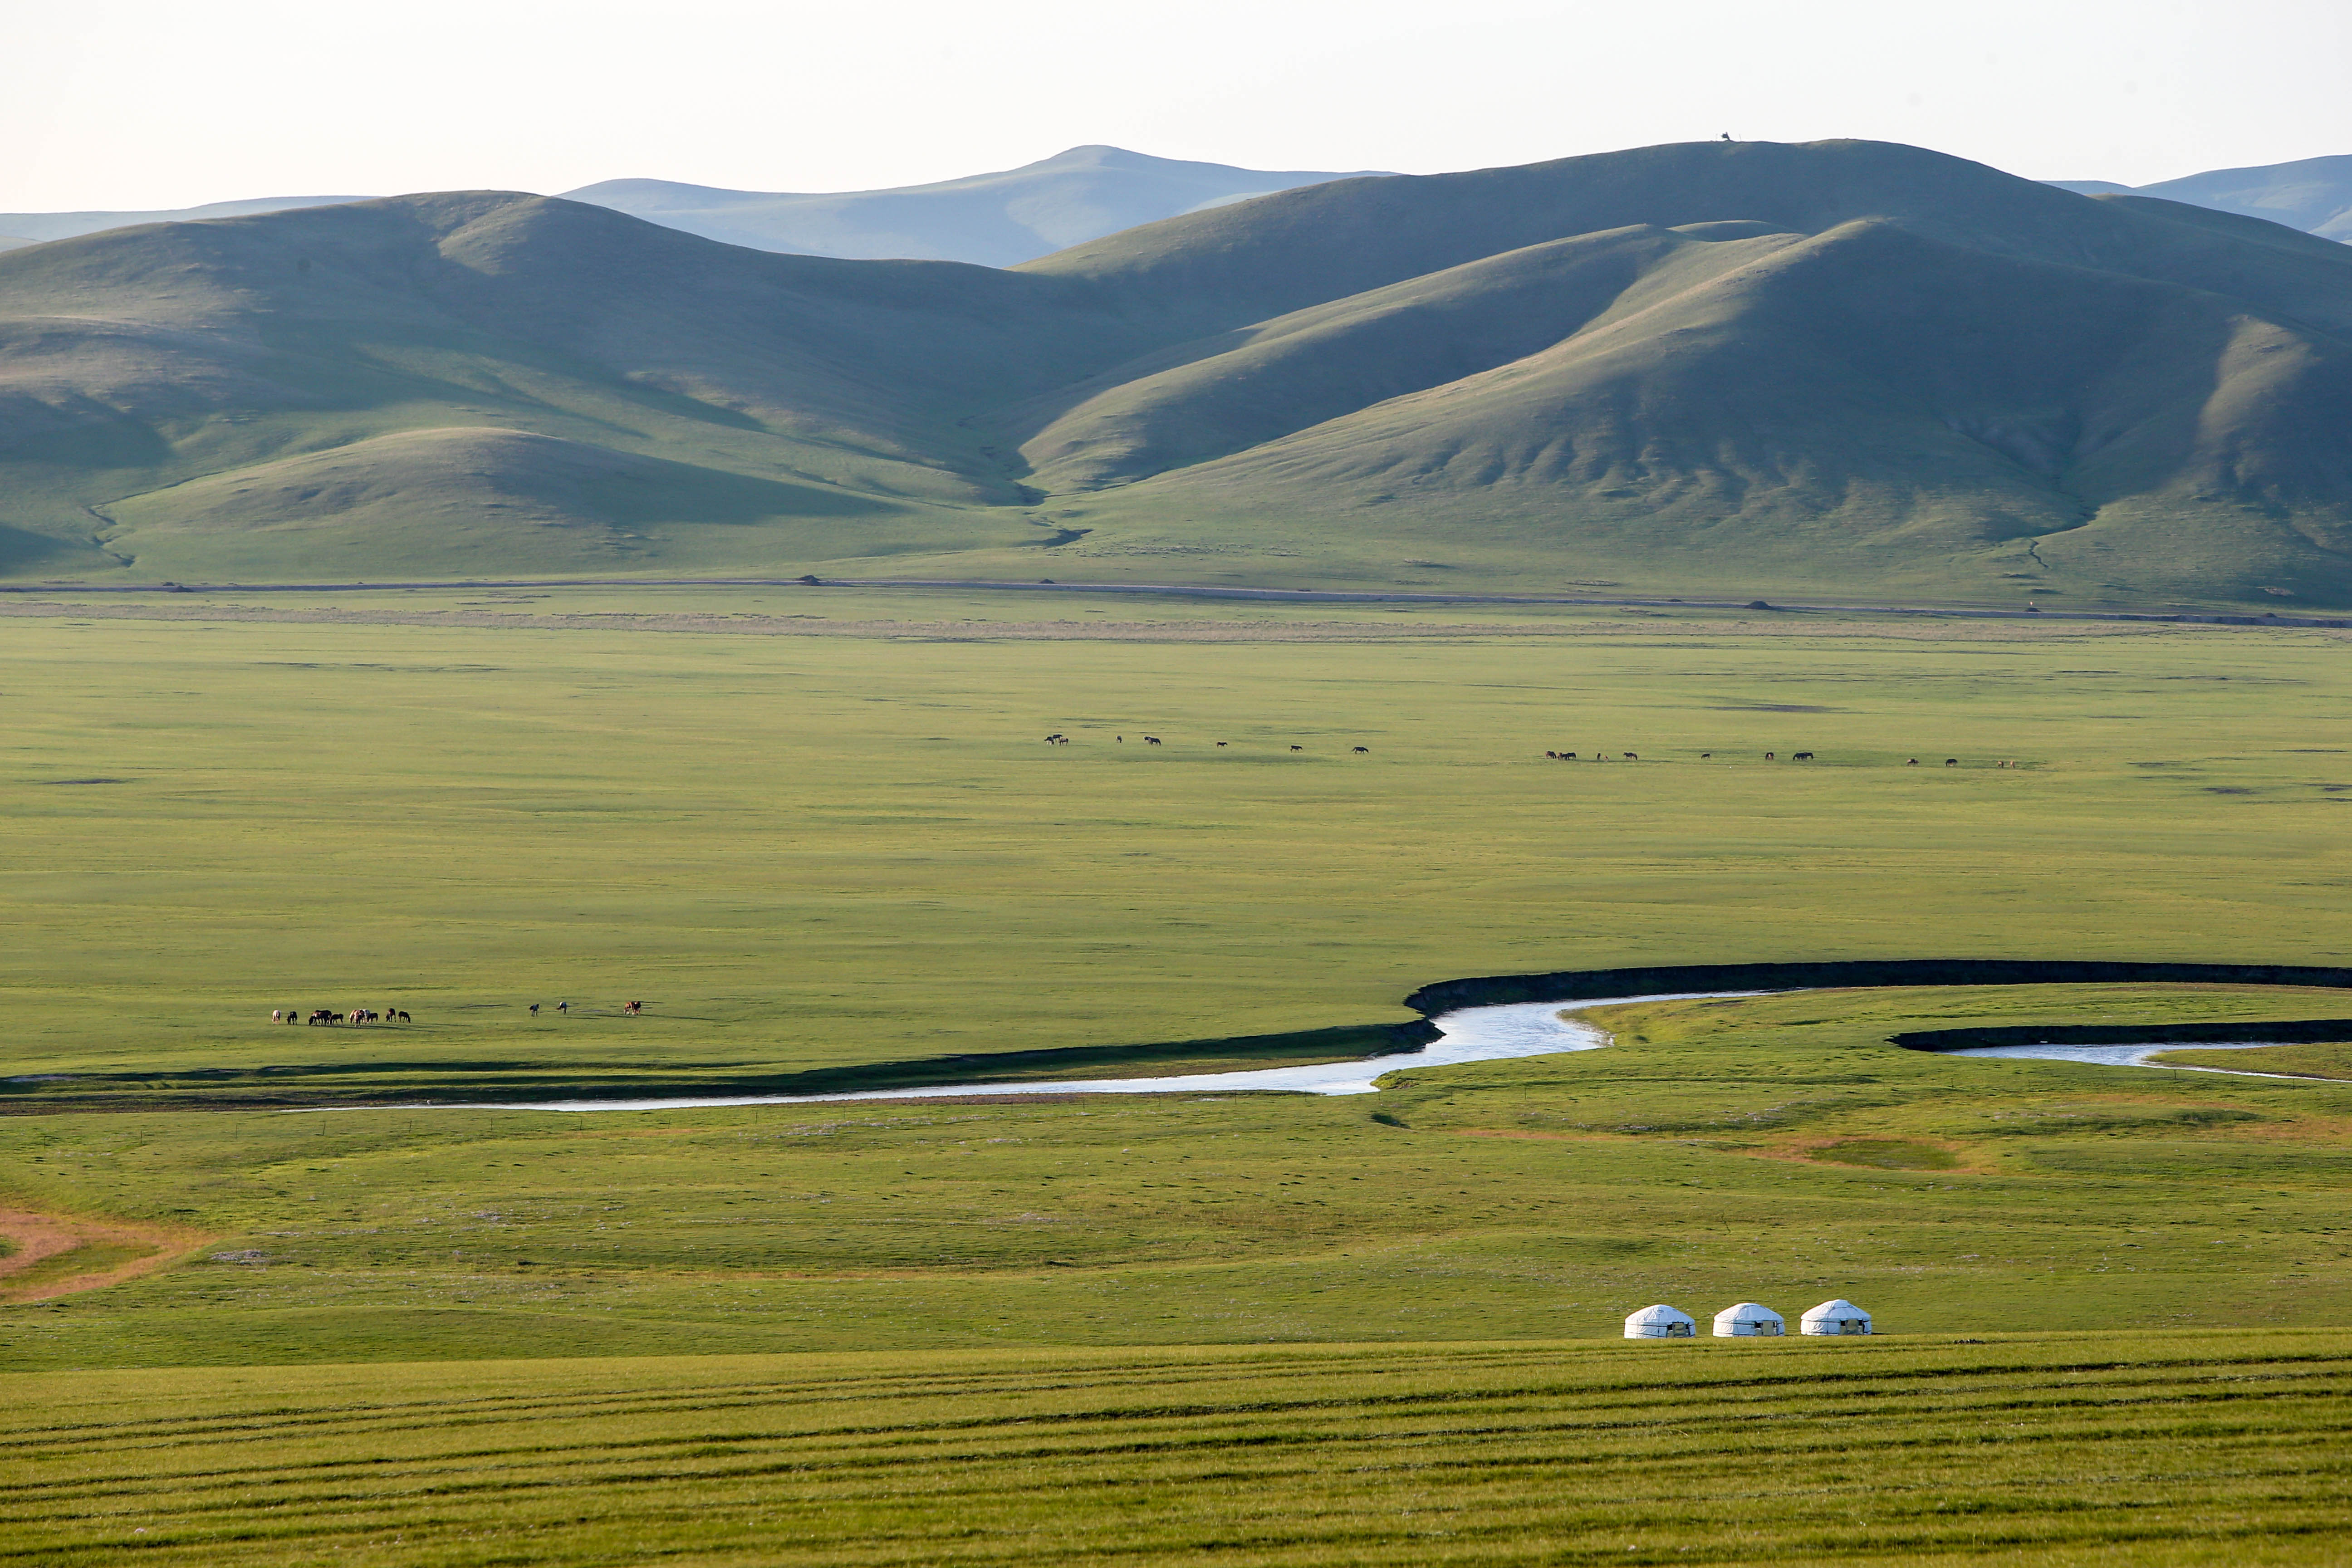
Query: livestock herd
(1058, 739)
(329, 1015)
(393, 1015)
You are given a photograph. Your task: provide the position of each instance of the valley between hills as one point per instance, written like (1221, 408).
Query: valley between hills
(622, 696)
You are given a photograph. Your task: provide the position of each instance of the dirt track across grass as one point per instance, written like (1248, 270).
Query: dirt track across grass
(63, 1254)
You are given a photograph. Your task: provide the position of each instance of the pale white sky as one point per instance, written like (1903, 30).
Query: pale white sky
(134, 103)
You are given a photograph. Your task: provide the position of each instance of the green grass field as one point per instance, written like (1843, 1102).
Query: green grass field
(830, 850)
(836, 844)
(2110, 1449)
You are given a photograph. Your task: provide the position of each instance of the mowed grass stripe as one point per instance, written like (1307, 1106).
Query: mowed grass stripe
(2171, 1448)
(1726, 1384)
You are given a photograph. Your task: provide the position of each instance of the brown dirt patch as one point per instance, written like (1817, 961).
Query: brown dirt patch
(63, 1254)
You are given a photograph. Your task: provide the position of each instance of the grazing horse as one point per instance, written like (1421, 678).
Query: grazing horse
(1151, 739)
(534, 1009)
(1952, 761)
(402, 1017)
(1800, 756)
(276, 1014)
(633, 1008)
(1298, 748)
(1768, 756)
(1221, 743)
(1702, 756)
(325, 1016)
(1912, 763)
(1362, 751)
(1633, 756)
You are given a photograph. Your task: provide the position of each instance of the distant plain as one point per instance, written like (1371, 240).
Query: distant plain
(853, 850)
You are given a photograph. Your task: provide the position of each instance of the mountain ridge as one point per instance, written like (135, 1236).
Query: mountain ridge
(2314, 195)
(1739, 369)
(998, 218)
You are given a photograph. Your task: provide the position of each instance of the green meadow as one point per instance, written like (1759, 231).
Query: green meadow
(818, 832)
(2137, 1448)
(830, 850)
(1772, 1149)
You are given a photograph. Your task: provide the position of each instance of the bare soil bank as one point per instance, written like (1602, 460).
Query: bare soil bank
(63, 1254)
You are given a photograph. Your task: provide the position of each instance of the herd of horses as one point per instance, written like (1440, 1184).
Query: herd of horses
(392, 1014)
(1058, 739)
(1769, 757)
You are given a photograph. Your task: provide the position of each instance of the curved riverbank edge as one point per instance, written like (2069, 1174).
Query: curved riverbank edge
(268, 1088)
(1579, 985)
(2273, 1032)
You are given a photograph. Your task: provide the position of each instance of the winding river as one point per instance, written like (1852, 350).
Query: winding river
(2137, 1056)
(1465, 1034)
(1468, 1034)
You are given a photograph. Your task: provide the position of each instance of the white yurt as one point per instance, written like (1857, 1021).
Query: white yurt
(1748, 1319)
(1661, 1322)
(1838, 1317)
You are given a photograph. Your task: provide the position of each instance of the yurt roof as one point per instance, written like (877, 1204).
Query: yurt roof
(1749, 1313)
(1660, 1313)
(1838, 1308)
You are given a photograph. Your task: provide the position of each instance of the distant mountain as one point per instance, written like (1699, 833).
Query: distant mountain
(1842, 368)
(2314, 195)
(31, 226)
(996, 220)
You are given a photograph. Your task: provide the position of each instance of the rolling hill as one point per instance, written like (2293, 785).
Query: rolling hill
(1840, 368)
(26, 228)
(995, 220)
(2314, 195)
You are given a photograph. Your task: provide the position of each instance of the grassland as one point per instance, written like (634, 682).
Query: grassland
(818, 832)
(823, 851)
(1775, 1149)
(2134, 1447)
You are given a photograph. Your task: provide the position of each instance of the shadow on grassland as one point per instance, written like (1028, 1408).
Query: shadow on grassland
(490, 1082)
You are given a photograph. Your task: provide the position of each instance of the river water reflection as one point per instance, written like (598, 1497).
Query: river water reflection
(2134, 1056)
(1470, 1034)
